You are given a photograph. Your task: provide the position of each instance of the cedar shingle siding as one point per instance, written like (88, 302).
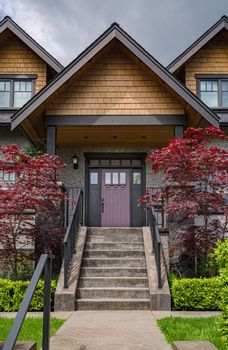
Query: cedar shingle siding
(115, 85)
(210, 59)
(17, 58)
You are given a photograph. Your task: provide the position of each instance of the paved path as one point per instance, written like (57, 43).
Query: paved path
(109, 330)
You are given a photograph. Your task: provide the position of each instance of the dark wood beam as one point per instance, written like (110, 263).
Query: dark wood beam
(51, 140)
(179, 131)
(103, 120)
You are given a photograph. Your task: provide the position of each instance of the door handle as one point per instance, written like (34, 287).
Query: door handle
(102, 205)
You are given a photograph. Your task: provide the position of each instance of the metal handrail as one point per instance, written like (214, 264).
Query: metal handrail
(70, 235)
(44, 264)
(156, 242)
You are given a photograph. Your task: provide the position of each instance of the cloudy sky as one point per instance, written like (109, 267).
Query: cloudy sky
(66, 27)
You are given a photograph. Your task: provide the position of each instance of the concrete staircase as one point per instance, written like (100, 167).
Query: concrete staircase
(113, 272)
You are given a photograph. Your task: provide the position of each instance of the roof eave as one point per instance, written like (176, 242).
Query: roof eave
(115, 32)
(8, 23)
(199, 43)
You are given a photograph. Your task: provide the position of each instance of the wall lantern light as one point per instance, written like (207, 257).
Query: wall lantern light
(75, 161)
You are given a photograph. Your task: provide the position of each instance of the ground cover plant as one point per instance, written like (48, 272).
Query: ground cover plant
(31, 329)
(194, 328)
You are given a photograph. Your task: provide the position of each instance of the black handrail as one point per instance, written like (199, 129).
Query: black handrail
(156, 242)
(70, 236)
(44, 264)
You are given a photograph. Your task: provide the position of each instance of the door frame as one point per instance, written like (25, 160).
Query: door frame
(110, 156)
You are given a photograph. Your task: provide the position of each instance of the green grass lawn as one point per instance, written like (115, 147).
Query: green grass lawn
(31, 329)
(181, 328)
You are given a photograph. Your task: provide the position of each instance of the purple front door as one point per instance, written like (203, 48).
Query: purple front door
(115, 198)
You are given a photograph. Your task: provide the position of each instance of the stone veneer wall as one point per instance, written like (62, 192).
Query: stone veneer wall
(17, 136)
(76, 177)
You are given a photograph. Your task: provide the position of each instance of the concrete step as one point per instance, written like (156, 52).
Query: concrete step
(114, 253)
(112, 304)
(114, 238)
(119, 262)
(114, 230)
(114, 246)
(113, 271)
(113, 282)
(111, 292)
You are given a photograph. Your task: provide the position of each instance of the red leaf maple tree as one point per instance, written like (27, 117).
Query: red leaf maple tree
(195, 185)
(30, 206)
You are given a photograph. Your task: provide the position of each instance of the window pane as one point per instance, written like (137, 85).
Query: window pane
(214, 86)
(115, 162)
(12, 176)
(107, 178)
(1, 175)
(202, 85)
(136, 178)
(126, 162)
(136, 162)
(115, 178)
(16, 86)
(94, 162)
(104, 162)
(20, 98)
(210, 98)
(4, 99)
(93, 178)
(4, 86)
(225, 99)
(28, 86)
(122, 178)
(224, 85)
(22, 86)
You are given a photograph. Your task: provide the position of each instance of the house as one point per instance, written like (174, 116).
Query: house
(107, 109)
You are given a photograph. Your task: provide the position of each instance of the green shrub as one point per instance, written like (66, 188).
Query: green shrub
(221, 255)
(223, 320)
(197, 293)
(12, 294)
(25, 271)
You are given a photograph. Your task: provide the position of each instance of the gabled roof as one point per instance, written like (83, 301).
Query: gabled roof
(222, 23)
(8, 23)
(114, 32)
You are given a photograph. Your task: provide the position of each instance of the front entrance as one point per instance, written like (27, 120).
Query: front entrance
(114, 183)
(115, 198)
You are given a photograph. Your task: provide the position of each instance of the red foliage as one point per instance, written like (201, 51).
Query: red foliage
(195, 183)
(29, 205)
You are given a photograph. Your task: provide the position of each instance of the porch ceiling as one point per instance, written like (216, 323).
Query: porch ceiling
(144, 136)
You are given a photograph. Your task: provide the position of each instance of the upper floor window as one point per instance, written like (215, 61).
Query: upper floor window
(213, 92)
(15, 92)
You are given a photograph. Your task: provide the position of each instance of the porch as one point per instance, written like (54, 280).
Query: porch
(109, 166)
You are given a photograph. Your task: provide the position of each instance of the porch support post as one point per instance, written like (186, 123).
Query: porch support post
(51, 140)
(179, 131)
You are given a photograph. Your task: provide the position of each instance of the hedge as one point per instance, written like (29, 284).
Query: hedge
(197, 293)
(12, 294)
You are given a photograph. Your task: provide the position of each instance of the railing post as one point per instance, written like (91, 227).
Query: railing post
(159, 266)
(47, 304)
(65, 266)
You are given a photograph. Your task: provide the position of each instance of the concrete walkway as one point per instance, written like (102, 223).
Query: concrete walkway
(109, 330)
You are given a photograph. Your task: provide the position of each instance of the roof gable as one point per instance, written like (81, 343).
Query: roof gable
(221, 24)
(115, 32)
(114, 84)
(8, 23)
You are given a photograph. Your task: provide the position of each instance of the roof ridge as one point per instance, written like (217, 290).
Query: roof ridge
(31, 42)
(172, 65)
(114, 32)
